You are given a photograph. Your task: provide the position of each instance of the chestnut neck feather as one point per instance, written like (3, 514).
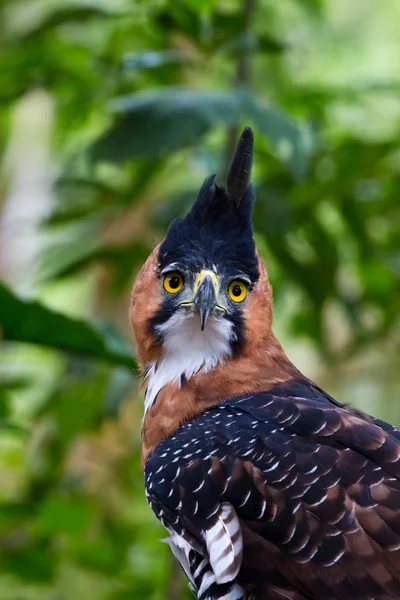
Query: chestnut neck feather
(245, 374)
(261, 364)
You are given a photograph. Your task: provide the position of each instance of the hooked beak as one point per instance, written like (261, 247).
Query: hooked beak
(205, 299)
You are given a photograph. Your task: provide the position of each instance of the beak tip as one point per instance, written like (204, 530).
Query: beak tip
(203, 319)
(205, 300)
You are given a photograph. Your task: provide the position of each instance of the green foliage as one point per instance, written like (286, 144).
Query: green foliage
(135, 102)
(173, 118)
(23, 321)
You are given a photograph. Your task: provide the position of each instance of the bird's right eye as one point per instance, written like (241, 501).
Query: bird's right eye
(173, 282)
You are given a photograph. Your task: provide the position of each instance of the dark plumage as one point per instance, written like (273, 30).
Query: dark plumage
(239, 173)
(270, 489)
(316, 489)
(216, 232)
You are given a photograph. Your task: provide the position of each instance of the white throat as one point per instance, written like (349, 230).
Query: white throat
(187, 350)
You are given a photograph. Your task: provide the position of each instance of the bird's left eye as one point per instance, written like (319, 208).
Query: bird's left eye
(173, 282)
(237, 290)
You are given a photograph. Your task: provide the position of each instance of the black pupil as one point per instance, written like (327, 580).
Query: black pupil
(236, 290)
(174, 282)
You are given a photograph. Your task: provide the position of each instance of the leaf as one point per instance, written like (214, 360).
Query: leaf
(314, 7)
(101, 555)
(269, 44)
(29, 321)
(9, 383)
(70, 14)
(10, 427)
(34, 564)
(63, 260)
(153, 123)
(63, 515)
(119, 385)
(293, 145)
(272, 211)
(78, 405)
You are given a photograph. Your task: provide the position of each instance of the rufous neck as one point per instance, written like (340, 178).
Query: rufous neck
(179, 402)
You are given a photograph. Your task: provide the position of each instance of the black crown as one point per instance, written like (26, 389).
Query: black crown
(218, 230)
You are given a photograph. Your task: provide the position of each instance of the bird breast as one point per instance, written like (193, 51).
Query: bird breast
(187, 350)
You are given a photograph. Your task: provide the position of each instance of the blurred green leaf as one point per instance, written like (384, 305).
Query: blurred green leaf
(100, 555)
(173, 118)
(293, 145)
(33, 564)
(78, 405)
(9, 426)
(64, 15)
(168, 119)
(29, 321)
(63, 515)
(120, 384)
(315, 7)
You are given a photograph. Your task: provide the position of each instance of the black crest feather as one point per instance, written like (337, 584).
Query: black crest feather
(238, 199)
(218, 229)
(239, 173)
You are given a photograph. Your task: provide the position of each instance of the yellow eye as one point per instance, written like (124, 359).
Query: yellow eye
(237, 290)
(173, 282)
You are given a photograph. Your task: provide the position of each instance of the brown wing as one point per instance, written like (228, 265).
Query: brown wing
(314, 486)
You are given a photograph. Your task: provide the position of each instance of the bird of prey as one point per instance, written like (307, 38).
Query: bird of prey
(269, 488)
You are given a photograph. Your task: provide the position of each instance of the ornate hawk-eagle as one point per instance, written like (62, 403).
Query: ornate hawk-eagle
(269, 488)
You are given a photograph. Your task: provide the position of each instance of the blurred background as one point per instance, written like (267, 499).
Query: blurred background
(111, 115)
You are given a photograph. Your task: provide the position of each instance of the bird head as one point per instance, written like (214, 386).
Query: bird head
(203, 293)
